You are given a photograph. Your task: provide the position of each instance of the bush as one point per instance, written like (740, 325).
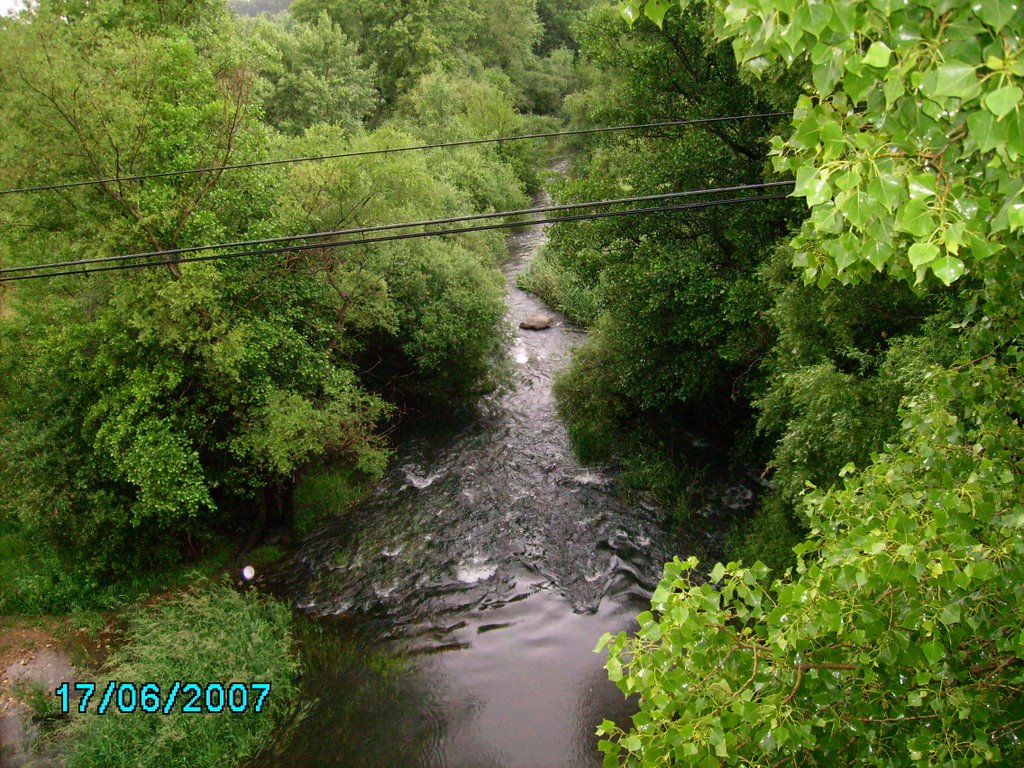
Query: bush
(36, 578)
(896, 641)
(769, 536)
(592, 418)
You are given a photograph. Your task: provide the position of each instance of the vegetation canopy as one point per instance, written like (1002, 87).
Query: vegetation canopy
(896, 638)
(145, 412)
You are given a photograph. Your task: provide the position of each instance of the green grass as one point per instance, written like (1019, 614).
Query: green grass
(265, 554)
(562, 290)
(209, 634)
(541, 279)
(34, 580)
(325, 492)
(39, 699)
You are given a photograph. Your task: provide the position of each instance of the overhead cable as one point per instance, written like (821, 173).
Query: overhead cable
(402, 236)
(387, 151)
(400, 225)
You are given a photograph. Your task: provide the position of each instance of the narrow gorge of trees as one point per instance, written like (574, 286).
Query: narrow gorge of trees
(856, 346)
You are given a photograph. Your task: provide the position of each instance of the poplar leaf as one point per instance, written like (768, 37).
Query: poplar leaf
(878, 55)
(922, 253)
(957, 79)
(996, 13)
(655, 10)
(948, 269)
(630, 11)
(1002, 101)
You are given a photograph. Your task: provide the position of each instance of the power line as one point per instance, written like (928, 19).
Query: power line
(387, 151)
(405, 236)
(402, 225)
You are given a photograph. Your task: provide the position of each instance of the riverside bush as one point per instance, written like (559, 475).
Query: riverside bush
(896, 640)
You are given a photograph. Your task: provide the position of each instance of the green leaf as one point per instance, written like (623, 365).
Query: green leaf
(879, 254)
(922, 185)
(630, 11)
(878, 55)
(895, 86)
(1015, 215)
(948, 269)
(950, 614)
(957, 79)
(1011, 207)
(614, 667)
(922, 253)
(986, 131)
(718, 739)
(860, 208)
(717, 572)
(811, 185)
(981, 249)
(735, 14)
(1002, 101)
(996, 13)
(826, 73)
(655, 10)
(888, 190)
(933, 651)
(915, 218)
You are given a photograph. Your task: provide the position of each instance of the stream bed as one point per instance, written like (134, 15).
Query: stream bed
(452, 617)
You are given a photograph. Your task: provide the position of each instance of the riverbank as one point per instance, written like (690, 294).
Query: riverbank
(50, 632)
(209, 632)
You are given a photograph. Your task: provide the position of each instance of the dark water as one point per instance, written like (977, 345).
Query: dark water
(454, 615)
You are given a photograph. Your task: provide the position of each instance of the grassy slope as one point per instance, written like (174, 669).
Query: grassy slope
(210, 634)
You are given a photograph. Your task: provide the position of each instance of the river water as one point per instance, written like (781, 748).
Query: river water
(453, 616)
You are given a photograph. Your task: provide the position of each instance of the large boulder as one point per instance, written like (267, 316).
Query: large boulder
(537, 322)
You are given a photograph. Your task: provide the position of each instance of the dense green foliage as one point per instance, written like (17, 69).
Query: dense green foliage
(674, 299)
(36, 580)
(407, 40)
(315, 75)
(256, 7)
(212, 633)
(896, 639)
(144, 412)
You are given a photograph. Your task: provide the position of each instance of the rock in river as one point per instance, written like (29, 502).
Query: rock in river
(537, 322)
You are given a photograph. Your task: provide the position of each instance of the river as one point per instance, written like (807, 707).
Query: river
(453, 616)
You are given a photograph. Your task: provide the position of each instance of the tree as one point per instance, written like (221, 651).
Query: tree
(257, 7)
(558, 19)
(422, 315)
(906, 146)
(316, 75)
(144, 410)
(406, 40)
(896, 640)
(674, 299)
